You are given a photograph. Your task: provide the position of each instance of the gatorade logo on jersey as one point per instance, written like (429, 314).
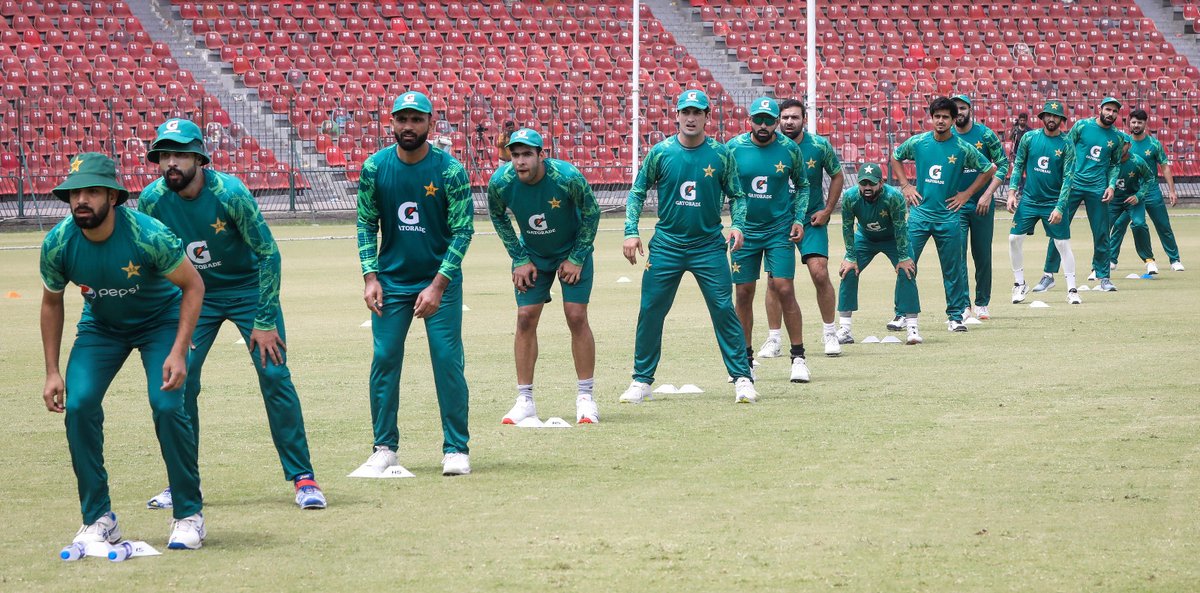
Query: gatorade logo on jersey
(1043, 165)
(874, 227)
(201, 257)
(758, 188)
(538, 225)
(1121, 184)
(410, 218)
(687, 191)
(1094, 153)
(935, 175)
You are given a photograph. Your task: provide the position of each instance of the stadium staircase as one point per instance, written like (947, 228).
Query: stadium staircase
(678, 19)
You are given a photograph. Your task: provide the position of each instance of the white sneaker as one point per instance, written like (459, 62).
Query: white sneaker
(753, 372)
(914, 336)
(1151, 267)
(1106, 285)
(636, 393)
(381, 459)
(1046, 283)
(844, 336)
(967, 313)
(456, 464)
(585, 410)
(982, 313)
(1073, 297)
(521, 410)
(896, 324)
(162, 500)
(1177, 266)
(105, 529)
(1112, 265)
(187, 533)
(772, 348)
(1092, 276)
(743, 391)
(955, 326)
(1020, 289)
(800, 372)
(832, 346)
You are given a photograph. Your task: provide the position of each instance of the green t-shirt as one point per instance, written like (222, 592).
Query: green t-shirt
(1097, 155)
(1151, 151)
(986, 141)
(692, 184)
(1135, 178)
(819, 158)
(414, 221)
(941, 166)
(557, 216)
(123, 278)
(768, 174)
(226, 238)
(1047, 162)
(882, 219)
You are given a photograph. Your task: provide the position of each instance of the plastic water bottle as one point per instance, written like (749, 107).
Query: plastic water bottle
(73, 552)
(121, 552)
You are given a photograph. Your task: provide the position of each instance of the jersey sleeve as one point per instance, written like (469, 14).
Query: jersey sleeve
(1149, 180)
(974, 159)
(800, 196)
(731, 183)
(1018, 168)
(1114, 162)
(899, 214)
(1068, 177)
(498, 212)
(994, 151)
(161, 246)
(647, 177)
(907, 150)
(848, 225)
(368, 219)
(460, 213)
(589, 218)
(829, 160)
(54, 273)
(1160, 154)
(244, 211)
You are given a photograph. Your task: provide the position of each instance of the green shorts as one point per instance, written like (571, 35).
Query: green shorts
(580, 292)
(776, 249)
(815, 242)
(1027, 216)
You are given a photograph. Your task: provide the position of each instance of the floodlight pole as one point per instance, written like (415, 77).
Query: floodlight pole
(637, 84)
(812, 67)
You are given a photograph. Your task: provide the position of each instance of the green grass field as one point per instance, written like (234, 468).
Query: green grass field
(1048, 450)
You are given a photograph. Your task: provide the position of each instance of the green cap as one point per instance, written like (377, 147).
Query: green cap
(692, 98)
(870, 172)
(412, 100)
(1053, 107)
(1108, 100)
(525, 136)
(91, 169)
(963, 98)
(764, 106)
(178, 135)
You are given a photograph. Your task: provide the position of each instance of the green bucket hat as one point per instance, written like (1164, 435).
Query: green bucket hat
(1112, 100)
(525, 136)
(412, 100)
(870, 172)
(178, 135)
(692, 98)
(91, 169)
(1053, 107)
(764, 106)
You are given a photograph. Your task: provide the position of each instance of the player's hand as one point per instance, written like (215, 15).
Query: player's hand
(736, 239)
(1055, 217)
(632, 247)
(569, 273)
(797, 233)
(1172, 197)
(911, 196)
(1108, 195)
(373, 294)
(908, 267)
(524, 276)
(955, 203)
(174, 372)
(985, 204)
(53, 392)
(847, 267)
(269, 344)
(428, 302)
(1131, 200)
(1011, 205)
(820, 218)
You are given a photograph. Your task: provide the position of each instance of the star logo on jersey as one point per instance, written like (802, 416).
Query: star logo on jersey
(75, 164)
(736, 268)
(131, 270)
(709, 170)
(555, 202)
(1147, 152)
(812, 163)
(780, 167)
(430, 190)
(952, 159)
(218, 226)
(1058, 153)
(647, 265)
(1110, 143)
(884, 214)
(978, 145)
(1132, 174)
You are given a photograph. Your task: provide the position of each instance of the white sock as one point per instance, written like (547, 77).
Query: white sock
(1017, 257)
(844, 319)
(525, 391)
(773, 334)
(1068, 261)
(911, 322)
(586, 386)
(828, 328)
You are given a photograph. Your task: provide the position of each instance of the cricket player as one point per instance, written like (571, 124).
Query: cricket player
(1134, 181)
(139, 292)
(936, 198)
(1045, 159)
(557, 216)
(881, 214)
(231, 246)
(1098, 146)
(977, 217)
(820, 160)
(693, 174)
(1151, 150)
(414, 227)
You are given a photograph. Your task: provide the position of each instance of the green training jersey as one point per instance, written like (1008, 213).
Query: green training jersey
(692, 184)
(557, 216)
(414, 221)
(1151, 151)
(986, 141)
(226, 238)
(1097, 155)
(123, 278)
(881, 219)
(818, 158)
(1047, 162)
(768, 174)
(1135, 178)
(941, 166)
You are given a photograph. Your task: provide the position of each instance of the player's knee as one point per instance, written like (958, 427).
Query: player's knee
(166, 404)
(577, 319)
(784, 289)
(274, 374)
(388, 353)
(527, 319)
(1139, 226)
(82, 399)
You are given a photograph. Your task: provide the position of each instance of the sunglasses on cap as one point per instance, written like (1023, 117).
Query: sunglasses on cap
(763, 120)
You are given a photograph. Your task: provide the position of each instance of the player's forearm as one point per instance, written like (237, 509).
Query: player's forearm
(189, 312)
(452, 262)
(52, 328)
(898, 172)
(508, 237)
(368, 245)
(737, 212)
(836, 183)
(633, 212)
(269, 272)
(983, 179)
(993, 186)
(589, 225)
(1166, 169)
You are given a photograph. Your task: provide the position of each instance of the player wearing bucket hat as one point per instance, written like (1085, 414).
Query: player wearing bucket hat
(557, 217)
(941, 161)
(977, 217)
(820, 160)
(414, 227)
(140, 292)
(1151, 150)
(1098, 146)
(693, 175)
(231, 245)
(1044, 159)
(882, 228)
(772, 175)
(1129, 200)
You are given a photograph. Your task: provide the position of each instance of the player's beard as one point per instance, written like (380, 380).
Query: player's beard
(93, 218)
(763, 135)
(407, 143)
(793, 134)
(868, 193)
(1052, 124)
(1108, 120)
(962, 120)
(177, 184)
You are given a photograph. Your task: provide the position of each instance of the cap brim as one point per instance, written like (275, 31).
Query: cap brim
(687, 104)
(411, 108)
(512, 143)
(63, 191)
(169, 144)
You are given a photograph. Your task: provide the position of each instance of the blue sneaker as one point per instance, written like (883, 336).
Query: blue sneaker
(308, 493)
